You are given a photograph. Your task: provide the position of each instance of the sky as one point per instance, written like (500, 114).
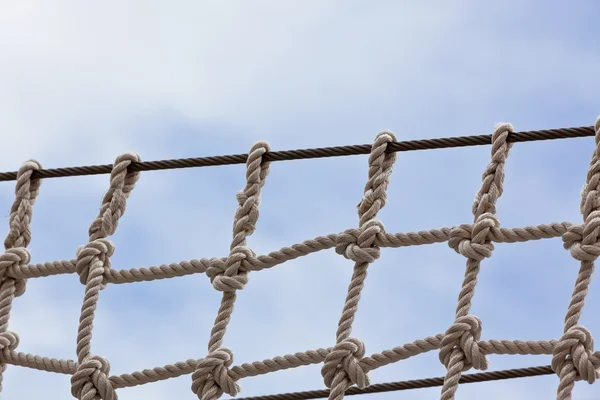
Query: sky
(82, 82)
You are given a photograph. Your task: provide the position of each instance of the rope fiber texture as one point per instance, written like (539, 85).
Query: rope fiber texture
(345, 366)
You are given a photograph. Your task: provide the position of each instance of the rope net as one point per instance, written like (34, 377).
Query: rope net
(345, 365)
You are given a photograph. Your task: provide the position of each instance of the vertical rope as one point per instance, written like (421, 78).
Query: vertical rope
(573, 358)
(16, 254)
(212, 376)
(460, 348)
(90, 380)
(342, 367)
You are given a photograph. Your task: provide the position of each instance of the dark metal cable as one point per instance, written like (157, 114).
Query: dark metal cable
(410, 145)
(413, 384)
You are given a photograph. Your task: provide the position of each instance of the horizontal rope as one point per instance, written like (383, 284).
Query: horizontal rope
(377, 360)
(197, 266)
(412, 384)
(288, 361)
(410, 145)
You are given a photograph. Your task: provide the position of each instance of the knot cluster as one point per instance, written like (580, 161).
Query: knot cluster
(344, 362)
(573, 354)
(212, 376)
(90, 380)
(232, 274)
(474, 241)
(93, 259)
(360, 245)
(462, 339)
(583, 241)
(14, 259)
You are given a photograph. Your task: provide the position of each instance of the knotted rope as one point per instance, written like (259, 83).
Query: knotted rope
(460, 346)
(16, 254)
(212, 377)
(90, 380)
(573, 358)
(342, 366)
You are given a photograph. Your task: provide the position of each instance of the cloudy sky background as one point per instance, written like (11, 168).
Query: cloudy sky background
(83, 82)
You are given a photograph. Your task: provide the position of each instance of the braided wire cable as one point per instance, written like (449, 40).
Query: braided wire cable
(302, 154)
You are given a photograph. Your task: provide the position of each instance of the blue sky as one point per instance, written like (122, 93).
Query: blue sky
(82, 83)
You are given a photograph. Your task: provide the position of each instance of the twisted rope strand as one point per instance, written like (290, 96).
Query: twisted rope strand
(573, 357)
(342, 367)
(460, 348)
(195, 266)
(90, 379)
(288, 361)
(212, 376)
(16, 253)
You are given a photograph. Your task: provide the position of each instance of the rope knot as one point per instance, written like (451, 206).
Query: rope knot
(380, 170)
(248, 199)
(360, 245)
(212, 376)
(93, 259)
(15, 259)
(215, 267)
(114, 202)
(90, 380)
(8, 340)
(21, 212)
(462, 339)
(344, 362)
(583, 241)
(474, 241)
(232, 275)
(573, 354)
